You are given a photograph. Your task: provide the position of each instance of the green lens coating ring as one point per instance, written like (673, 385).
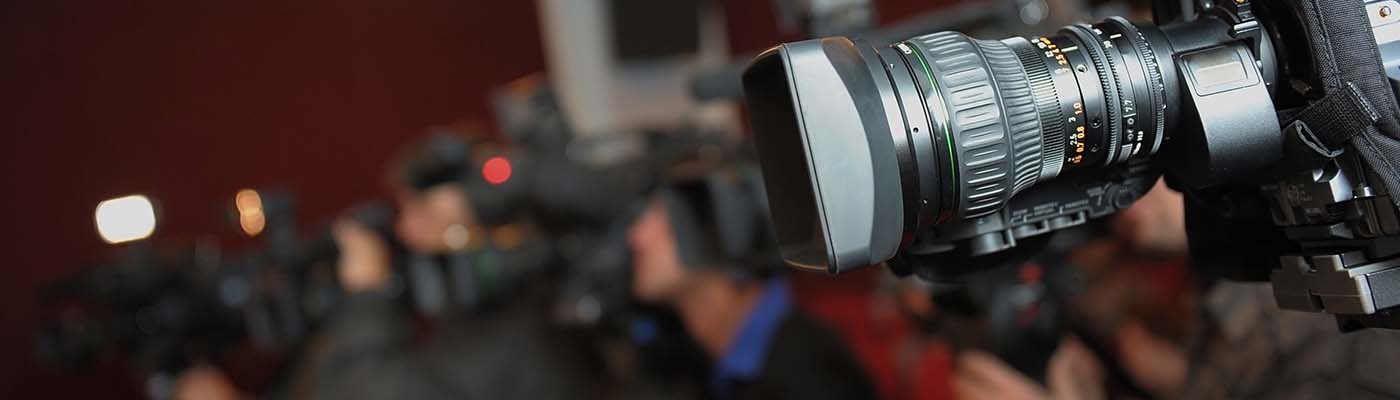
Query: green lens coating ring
(943, 122)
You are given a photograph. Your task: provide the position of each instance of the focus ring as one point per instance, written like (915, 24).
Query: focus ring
(975, 118)
(1047, 101)
(1108, 80)
(1022, 116)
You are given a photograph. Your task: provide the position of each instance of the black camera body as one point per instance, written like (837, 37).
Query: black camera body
(1023, 227)
(1275, 119)
(1209, 131)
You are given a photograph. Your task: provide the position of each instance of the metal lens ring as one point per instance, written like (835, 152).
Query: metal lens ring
(945, 204)
(1108, 79)
(1088, 133)
(920, 168)
(1129, 137)
(1138, 104)
(1048, 102)
(1155, 84)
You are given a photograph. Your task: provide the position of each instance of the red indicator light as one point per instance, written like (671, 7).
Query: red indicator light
(1030, 273)
(496, 170)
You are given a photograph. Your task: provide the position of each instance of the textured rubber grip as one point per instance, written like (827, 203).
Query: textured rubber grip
(993, 119)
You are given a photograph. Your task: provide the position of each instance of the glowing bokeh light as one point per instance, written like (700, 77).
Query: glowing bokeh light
(125, 219)
(250, 212)
(496, 170)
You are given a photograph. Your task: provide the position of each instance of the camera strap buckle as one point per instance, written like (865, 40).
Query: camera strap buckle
(1329, 124)
(1305, 135)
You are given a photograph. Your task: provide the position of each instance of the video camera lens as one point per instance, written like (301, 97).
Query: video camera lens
(864, 146)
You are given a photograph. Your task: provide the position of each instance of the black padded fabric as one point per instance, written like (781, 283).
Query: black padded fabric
(1353, 79)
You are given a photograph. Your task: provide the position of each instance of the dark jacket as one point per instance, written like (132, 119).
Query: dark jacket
(369, 352)
(807, 361)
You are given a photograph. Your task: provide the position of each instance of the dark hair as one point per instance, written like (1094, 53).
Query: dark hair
(720, 220)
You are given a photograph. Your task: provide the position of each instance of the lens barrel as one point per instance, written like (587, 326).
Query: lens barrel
(966, 123)
(1020, 111)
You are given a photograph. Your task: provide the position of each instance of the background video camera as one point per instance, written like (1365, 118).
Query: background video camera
(169, 307)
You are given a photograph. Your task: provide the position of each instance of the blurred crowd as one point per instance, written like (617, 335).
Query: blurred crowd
(514, 264)
(708, 311)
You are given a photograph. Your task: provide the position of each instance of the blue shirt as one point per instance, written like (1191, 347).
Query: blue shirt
(744, 358)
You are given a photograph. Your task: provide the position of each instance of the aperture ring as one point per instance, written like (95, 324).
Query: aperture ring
(1156, 84)
(1119, 61)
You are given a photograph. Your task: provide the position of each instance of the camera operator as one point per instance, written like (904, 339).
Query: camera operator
(1111, 305)
(1179, 337)
(701, 248)
(507, 350)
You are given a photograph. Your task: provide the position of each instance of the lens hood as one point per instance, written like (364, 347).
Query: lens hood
(826, 119)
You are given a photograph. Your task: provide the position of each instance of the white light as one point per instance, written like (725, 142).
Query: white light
(125, 219)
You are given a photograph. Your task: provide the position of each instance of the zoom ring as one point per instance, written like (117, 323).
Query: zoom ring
(1021, 112)
(1047, 101)
(976, 122)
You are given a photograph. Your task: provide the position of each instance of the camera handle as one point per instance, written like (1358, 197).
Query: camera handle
(1240, 14)
(1167, 11)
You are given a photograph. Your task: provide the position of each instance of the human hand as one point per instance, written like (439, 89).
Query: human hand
(364, 257)
(204, 382)
(1157, 364)
(1156, 223)
(1073, 374)
(979, 375)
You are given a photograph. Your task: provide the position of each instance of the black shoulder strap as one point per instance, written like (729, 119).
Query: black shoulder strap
(1358, 109)
(1336, 118)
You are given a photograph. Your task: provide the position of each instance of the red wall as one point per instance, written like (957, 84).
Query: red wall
(188, 101)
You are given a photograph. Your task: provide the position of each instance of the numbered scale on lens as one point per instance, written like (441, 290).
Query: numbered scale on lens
(1109, 92)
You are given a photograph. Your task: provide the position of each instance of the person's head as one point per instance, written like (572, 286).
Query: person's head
(436, 220)
(702, 229)
(451, 189)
